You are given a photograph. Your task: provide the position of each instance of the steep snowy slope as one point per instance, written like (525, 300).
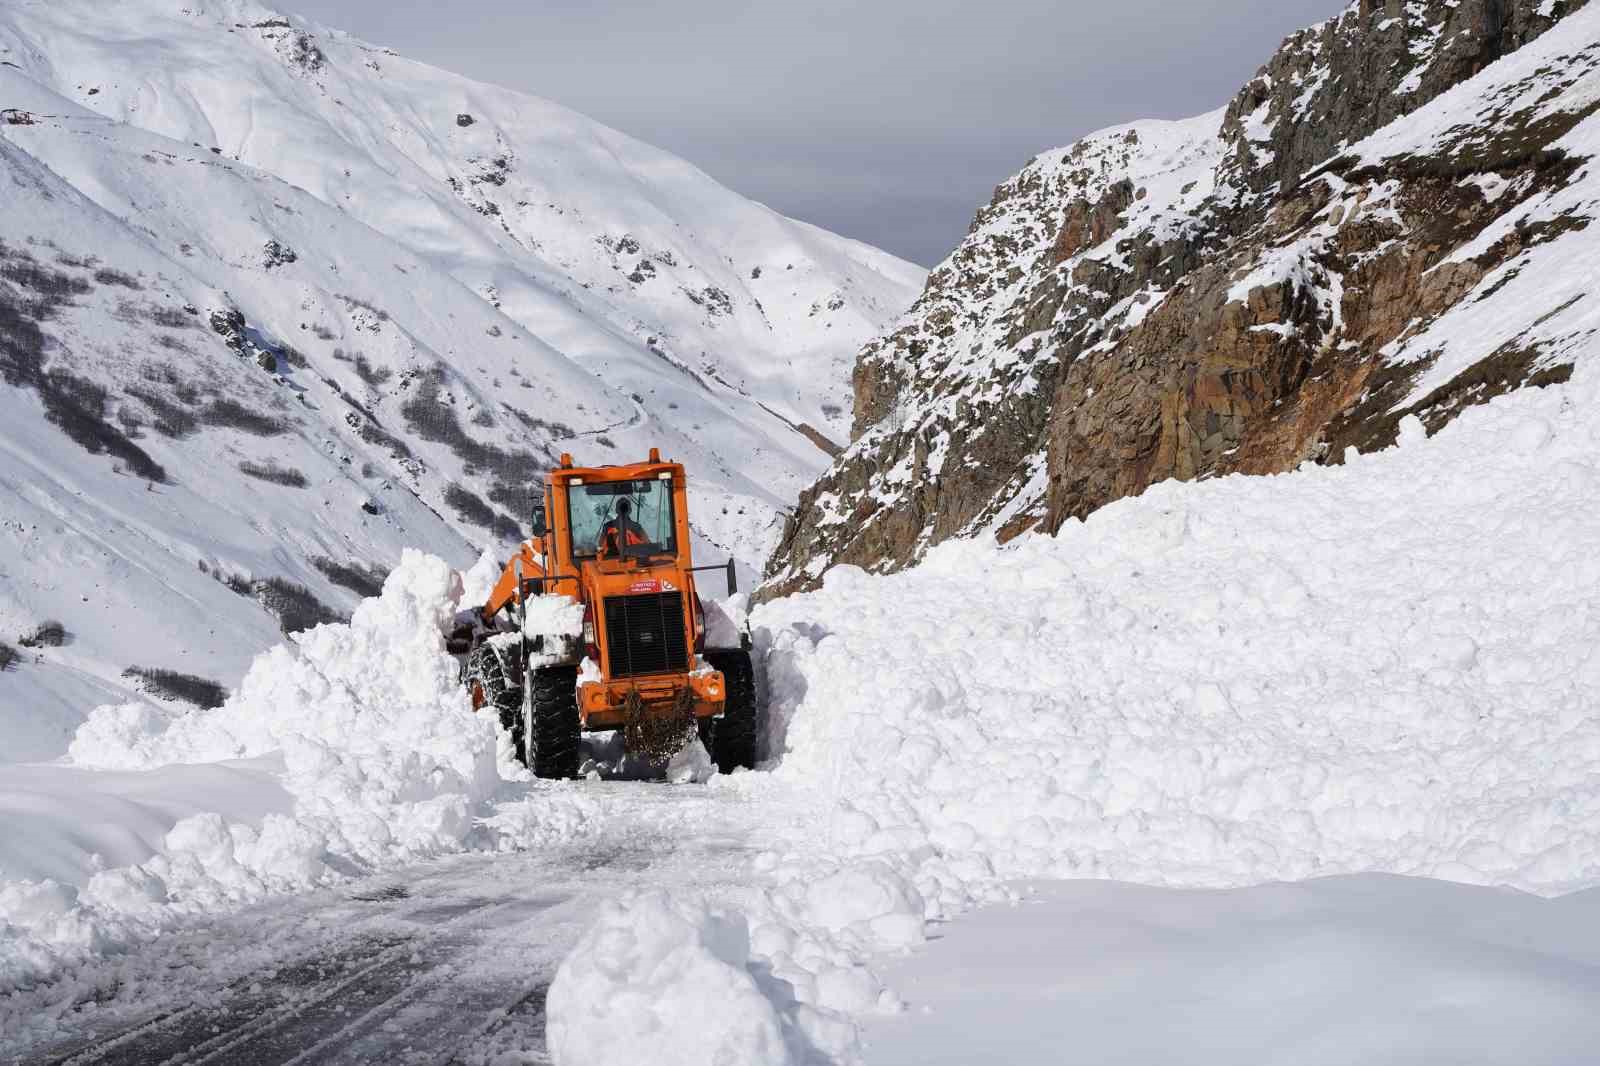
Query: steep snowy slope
(326, 341)
(148, 465)
(1240, 292)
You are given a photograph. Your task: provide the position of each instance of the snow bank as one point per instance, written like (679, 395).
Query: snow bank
(1385, 666)
(381, 749)
(66, 824)
(381, 758)
(665, 981)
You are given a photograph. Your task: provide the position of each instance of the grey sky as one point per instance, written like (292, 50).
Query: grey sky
(888, 121)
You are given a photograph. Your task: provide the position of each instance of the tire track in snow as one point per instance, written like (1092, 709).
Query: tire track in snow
(303, 1012)
(446, 962)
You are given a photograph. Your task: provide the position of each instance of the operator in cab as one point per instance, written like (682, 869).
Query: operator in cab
(622, 531)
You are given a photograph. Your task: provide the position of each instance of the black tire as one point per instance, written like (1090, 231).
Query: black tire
(494, 678)
(733, 740)
(554, 751)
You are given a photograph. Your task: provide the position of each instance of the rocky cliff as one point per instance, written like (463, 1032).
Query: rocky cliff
(1388, 220)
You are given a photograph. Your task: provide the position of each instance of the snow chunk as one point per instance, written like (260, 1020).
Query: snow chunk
(871, 893)
(727, 620)
(478, 581)
(1412, 431)
(662, 980)
(553, 616)
(691, 765)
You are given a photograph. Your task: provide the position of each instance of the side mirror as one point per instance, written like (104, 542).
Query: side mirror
(733, 578)
(539, 526)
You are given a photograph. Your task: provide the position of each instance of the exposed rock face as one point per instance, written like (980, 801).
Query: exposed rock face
(1242, 291)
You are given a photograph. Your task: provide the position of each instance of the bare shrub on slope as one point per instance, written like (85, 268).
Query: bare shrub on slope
(181, 687)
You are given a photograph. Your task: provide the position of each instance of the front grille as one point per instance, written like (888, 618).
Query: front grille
(645, 634)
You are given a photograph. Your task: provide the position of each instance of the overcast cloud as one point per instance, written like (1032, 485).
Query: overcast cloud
(889, 121)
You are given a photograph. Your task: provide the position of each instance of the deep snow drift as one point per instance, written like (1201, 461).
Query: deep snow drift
(1389, 665)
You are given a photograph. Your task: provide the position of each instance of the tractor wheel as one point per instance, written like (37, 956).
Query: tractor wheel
(492, 682)
(554, 748)
(733, 741)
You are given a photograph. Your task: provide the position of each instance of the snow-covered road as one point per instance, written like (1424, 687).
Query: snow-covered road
(451, 961)
(446, 961)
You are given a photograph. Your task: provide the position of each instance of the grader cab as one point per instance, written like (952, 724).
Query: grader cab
(612, 543)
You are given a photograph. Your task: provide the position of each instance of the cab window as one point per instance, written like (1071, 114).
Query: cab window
(639, 512)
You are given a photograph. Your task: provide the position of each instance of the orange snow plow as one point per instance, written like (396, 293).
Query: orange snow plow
(596, 624)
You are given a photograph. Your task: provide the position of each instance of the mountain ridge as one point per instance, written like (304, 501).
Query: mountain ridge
(1101, 330)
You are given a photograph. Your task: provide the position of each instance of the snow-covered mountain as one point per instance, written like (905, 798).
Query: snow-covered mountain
(1124, 740)
(275, 302)
(1393, 217)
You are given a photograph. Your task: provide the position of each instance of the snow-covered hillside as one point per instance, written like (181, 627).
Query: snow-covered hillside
(623, 257)
(276, 303)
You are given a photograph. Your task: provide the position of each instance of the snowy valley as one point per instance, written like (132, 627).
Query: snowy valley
(1086, 736)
